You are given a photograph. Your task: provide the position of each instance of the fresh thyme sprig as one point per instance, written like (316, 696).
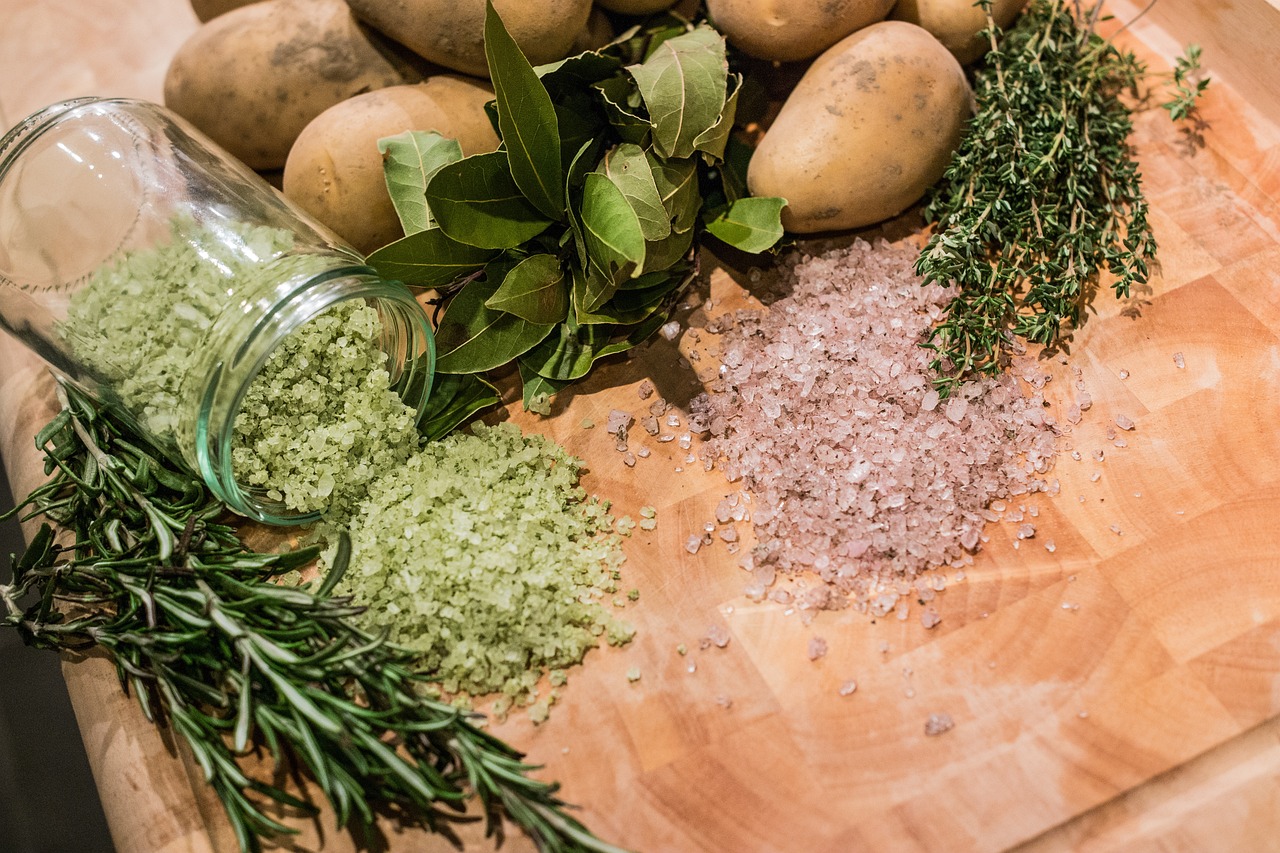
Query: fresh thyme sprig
(238, 664)
(1044, 195)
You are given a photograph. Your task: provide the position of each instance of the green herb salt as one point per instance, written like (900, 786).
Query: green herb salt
(319, 422)
(485, 556)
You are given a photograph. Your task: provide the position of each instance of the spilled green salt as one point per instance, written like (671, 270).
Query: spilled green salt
(484, 556)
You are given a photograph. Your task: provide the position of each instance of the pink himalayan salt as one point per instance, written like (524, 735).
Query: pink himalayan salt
(861, 475)
(817, 648)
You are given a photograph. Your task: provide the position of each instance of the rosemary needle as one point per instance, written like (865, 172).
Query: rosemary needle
(235, 663)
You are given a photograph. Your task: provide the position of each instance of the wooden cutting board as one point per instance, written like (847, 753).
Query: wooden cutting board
(1118, 693)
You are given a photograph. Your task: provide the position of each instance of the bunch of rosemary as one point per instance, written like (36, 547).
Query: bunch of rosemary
(235, 663)
(1044, 195)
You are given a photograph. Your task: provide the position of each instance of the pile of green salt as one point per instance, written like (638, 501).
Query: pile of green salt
(485, 556)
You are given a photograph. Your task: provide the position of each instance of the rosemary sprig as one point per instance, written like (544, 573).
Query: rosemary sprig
(1044, 194)
(237, 664)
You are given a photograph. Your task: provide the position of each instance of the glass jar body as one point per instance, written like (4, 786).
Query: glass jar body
(150, 268)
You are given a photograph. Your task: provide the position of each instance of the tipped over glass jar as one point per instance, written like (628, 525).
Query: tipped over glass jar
(152, 270)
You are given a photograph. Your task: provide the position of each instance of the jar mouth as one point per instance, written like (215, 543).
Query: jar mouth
(26, 131)
(236, 354)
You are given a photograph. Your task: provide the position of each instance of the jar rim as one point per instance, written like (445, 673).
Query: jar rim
(227, 379)
(17, 138)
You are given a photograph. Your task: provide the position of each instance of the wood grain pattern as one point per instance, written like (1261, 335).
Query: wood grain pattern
(1119, 693)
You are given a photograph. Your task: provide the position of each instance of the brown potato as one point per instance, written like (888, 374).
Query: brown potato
(451, 32)
(791, 30)
(252, 78)
(871, 125)
(956, 23)
(636, 7)
(334, 171)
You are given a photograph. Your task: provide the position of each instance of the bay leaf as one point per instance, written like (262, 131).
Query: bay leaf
(527, 119)
(661, 254)
(712, 141)
(677, 182)
(683, 84)
(473, 338)
(628, 168)
(626, 118)
(428, 258)
(573, 349)
(610, 229)
(752, 224)
(409, 160)
(635, 305)
(576, 73)
(476, 201)
(533, 386)
(455, 398)
(534, 289)
(590, 289)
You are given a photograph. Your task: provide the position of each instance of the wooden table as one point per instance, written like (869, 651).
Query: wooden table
(1143, 719)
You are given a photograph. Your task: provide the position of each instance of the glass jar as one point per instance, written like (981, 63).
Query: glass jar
(157, 273)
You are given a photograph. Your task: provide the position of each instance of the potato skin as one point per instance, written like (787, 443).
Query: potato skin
(792, 30)
(334, 171)
(956, 23)
(871, 125)
(636, 7)
(252, 78)
(451, 32)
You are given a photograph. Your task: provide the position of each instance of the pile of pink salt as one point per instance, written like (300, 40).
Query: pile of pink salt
(862, 475)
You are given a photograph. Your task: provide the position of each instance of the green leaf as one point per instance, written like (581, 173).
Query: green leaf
(712, 141)
(537, 390)
(569, 353)
(580, 121)
(628, 168)
(677, 182)
(622, 107)
(576, 73)
(750, 224)
(428, 259)
(683, 84)
(590, 289)
(611, 230)
(473, 337)
(454, 399)
(527, 119)
(662, 254)
(733, 168)
(534, 289)
(635, 305)
(409, 160)
(476, 202)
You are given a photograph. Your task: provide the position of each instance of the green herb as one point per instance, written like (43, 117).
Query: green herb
(573, 241)
(236, 664)
(1187, 85)
(1044, 196)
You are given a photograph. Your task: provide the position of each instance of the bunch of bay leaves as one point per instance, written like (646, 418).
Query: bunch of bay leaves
(575, 238)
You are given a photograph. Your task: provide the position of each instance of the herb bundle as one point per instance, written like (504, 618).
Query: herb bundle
(1044, 196)
(572, 241)
(238, 664)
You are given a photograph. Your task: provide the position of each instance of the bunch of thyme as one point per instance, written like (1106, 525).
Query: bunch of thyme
(1043, 195)
(147, 569)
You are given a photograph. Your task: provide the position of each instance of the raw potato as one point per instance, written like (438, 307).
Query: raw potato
(207, 10)
(791, 30)
(871, 125)
(956, 23)
(334, 171)
(252, 78)
(451, 32)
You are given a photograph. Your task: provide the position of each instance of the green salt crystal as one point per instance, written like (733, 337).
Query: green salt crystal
(633, 674)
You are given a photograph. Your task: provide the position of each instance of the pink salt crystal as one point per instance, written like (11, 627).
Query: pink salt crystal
(1179, 361)
(1111, 433)
(848, 688)
(629, 459)
(693, 543)
(650, 424)
(718, 635)
(670, 330)
(1050, 547)
(645, 390)
(817, 648)
(729, 534)
(930, 401)
(658, 407)
(643, 453)
(1084, 400)
(1124, 422)
(1073, 415)
(1026, 531)
(1124, 374)
(619, 421)
(930, 618)
(1115, 528)
(938, 724)
(724, 702)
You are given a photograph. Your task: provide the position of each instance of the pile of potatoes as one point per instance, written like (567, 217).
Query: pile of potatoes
(309, 86)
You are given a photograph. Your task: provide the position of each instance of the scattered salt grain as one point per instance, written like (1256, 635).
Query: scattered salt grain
(930, 618)
(718, 636)
(1179, 361)
(724, 702)
(848, 688)
(817, 648)
(670, 331)
(587, 423)
(633, 674)
(645, 389)
(1115, 528)
(1124, 374)
(1124, 422)
(629, 459)
(1050, 546)
(643, 453)
(938, 724)
(693, 543)
(1026, 531)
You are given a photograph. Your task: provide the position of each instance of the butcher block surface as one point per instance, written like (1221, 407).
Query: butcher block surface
(1120, 692)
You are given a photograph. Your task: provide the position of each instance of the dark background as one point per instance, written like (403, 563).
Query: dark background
(48, 801)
